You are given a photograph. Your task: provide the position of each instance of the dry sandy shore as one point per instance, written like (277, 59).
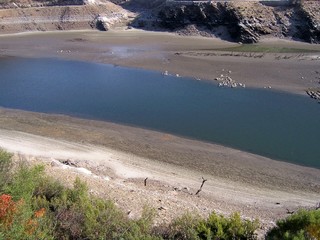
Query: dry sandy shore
(119, 158)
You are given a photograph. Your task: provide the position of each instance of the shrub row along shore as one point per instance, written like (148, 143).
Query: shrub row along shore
(35, 206)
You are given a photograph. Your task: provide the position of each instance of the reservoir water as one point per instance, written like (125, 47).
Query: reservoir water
(273, 124)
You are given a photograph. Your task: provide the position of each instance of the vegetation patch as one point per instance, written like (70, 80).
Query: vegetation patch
(35, 206)
(302, 225)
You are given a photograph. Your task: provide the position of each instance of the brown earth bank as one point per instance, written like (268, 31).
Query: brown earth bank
(115, 160)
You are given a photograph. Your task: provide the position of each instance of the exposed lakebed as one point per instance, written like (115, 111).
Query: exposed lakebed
(274, 124)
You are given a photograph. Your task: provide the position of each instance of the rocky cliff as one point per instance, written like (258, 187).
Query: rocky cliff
(235, 20)
(243, 21)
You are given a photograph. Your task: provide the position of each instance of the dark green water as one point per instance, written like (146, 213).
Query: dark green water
(277, 125)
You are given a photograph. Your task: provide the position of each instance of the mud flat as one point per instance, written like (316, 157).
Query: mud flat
(273, 63)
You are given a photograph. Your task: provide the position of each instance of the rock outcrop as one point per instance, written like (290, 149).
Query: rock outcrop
(245, 21)
(240, 21)
(310, 11)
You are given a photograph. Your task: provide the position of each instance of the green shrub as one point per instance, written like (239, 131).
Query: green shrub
(25, 181)
(220, 227)
(214, 227)
(5, 169)
(48, 188)
(300, 226)
(183, 228)
(27, 221)
(19, 221)
(141, 228)
(34, 206)
(78, 215)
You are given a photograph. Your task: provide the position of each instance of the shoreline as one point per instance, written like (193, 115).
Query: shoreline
(163, 147)
(194, 57)
(114, 160)
(237, 181)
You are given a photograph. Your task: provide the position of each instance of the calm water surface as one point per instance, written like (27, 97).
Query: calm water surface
(273, 124)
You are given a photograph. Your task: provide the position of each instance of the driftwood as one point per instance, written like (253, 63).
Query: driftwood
(289, 212)
(203, 181)
(69, 162)
(145, 182)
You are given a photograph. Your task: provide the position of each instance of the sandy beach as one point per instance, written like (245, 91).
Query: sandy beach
(115, 159)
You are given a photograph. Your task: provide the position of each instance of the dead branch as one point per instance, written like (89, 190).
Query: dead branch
(203, 181)
(145, 182)
(289, 212)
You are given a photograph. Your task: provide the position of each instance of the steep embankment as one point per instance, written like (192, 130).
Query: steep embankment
(238, 21)
(243, 21)
(49, 15)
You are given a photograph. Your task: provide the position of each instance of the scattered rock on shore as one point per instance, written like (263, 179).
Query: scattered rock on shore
(227, 81)
(314, 93)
